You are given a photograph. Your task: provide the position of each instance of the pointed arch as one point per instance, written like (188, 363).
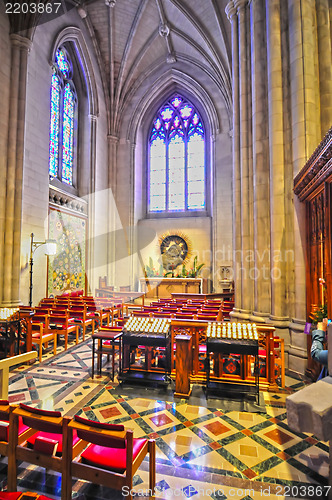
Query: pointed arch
(75, 37)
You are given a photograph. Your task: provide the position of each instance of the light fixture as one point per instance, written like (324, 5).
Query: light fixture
(49, 250)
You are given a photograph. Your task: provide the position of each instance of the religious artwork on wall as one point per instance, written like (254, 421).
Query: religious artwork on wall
(175, 250)
(66, 270)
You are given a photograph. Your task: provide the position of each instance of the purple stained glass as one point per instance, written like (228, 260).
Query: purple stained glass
(176, 101)
(186, 111)
(157, 176)
(62, 63)
(177, 158)
(68, 135)
(167, 113)
(54, 126)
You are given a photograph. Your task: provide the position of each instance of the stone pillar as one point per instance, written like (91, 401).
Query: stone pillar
(231, 14)
(262, 294)
(112, 212)
(246, 250)
(92, 205)
(279, 304)
(16, 136)
(325, 68)
(297, 351)
(132, 223)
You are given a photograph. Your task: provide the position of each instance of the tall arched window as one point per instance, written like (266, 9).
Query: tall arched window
(176, 173)
(63, 107)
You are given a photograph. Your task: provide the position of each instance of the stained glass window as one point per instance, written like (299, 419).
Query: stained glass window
(176, 173)
(67, 135)
(63, 104)
(54, 126)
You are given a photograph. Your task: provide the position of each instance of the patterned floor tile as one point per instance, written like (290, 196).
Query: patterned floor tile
(315, 459)
(249, 452)
(286, 472)
(201, 452)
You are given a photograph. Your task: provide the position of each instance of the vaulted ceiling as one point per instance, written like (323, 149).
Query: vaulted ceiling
(137, 39)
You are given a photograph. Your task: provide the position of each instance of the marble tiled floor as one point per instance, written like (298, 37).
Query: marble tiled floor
(202, 451)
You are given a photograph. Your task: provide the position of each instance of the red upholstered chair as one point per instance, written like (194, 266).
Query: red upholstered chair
(10, 495)
(23, 430)
(182, 315)
(206, 316)
(18, 495)
(61, 324)
(79, 312)
(39, 331)
(47, 446)
(112, 456)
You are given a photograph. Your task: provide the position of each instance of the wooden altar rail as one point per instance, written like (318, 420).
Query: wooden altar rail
(205, 296)
(158, 287)
(124, 296)
(196, 329)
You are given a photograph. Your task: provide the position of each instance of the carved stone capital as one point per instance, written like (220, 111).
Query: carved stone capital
(112, 139)
(20, 42)
(240, 4)
(230, 11)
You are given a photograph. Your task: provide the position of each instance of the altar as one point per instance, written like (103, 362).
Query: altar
(158, 287)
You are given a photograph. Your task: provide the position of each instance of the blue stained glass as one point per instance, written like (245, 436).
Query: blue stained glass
(167, 113)
(62, 62)
(176, 101)
(68, 135)
(54, 126)
(157, 192)
(176, 191)
(177, 158)
(195, 119)
(186, 111)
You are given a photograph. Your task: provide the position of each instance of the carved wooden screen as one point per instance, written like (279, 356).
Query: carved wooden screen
(313, 186)
(318, 247)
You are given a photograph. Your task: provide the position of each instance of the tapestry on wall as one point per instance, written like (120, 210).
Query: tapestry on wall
(66, 270)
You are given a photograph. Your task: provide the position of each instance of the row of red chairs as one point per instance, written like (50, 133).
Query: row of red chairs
(102, 453)
(62, 316)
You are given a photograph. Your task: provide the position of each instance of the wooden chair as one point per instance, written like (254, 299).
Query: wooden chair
(23, 430)
(60, 324)
(102, 281)
(112, 456)
(108, 341)
(279, 359)
(48, 446)
(100, 314)
(39, 331)
(79, 312)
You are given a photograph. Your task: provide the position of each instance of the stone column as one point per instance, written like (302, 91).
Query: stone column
(112, 212)
(92, 205)
(244, 76)
(325, 68)
(231, 14)
(16, 136)
(276, 163)
(262, 294)
(297, 351)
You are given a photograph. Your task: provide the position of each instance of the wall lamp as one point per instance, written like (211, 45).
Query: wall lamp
(49, 250)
